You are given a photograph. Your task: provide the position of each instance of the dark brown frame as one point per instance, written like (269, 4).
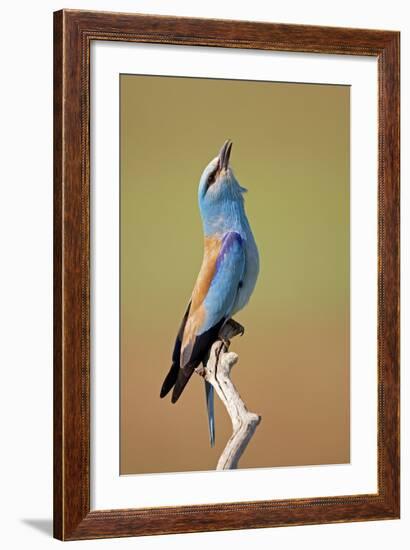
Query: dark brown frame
(73, 33)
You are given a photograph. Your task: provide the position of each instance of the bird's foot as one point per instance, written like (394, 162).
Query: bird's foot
(226, 343)
(231, 329)
(201, 370)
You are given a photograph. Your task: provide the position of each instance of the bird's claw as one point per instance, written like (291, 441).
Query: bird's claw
(231, 329)
(200, 369)
(226, 343)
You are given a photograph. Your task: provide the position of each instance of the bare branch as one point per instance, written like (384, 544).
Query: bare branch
(217, 372)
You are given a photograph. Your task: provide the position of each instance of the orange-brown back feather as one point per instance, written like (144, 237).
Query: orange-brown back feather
(212, 246)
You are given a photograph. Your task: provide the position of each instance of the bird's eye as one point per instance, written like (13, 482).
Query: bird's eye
(211, 179)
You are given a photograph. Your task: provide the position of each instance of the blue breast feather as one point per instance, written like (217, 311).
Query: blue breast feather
(229, 270)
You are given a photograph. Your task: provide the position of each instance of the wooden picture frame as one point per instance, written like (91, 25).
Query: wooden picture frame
(74, 32)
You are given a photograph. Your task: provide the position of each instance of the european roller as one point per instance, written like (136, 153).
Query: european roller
(225, 281)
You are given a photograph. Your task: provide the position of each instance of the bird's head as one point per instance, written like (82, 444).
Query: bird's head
(219, 193)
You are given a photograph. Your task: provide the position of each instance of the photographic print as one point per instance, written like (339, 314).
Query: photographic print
(234, 228)
(226, 274)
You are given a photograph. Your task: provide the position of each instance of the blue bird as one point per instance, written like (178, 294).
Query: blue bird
(225, 281)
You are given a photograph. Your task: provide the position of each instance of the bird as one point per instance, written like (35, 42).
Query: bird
(226, 279)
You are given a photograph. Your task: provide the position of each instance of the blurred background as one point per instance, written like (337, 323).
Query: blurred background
(291, 151)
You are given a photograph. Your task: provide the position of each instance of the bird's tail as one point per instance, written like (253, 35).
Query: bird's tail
(209, 393)
(170, 379)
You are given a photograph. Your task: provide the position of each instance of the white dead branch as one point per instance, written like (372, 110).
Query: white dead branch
(218, 373)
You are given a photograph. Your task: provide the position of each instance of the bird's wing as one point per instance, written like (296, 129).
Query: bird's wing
(172, 375)
(212, 301)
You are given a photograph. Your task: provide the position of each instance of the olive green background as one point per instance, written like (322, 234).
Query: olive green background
(291, 150)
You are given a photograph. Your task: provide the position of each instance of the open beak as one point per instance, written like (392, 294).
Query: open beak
(224, 155)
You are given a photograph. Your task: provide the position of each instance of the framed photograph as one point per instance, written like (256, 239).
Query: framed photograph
(226, 194)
